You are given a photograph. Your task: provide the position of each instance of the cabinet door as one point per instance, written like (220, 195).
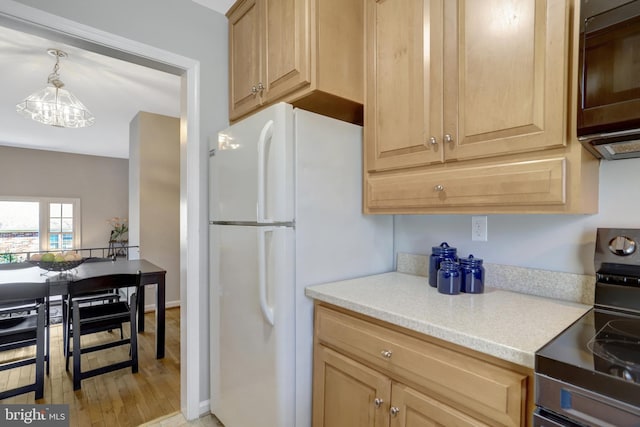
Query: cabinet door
(410, 408)
(403, 108)
(245, 67)
(505, 88)
(287, 54)
(345, 392)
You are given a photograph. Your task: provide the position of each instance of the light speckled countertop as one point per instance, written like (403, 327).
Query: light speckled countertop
(507, 325)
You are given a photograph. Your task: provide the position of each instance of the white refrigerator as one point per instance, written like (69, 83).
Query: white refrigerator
(285, 191)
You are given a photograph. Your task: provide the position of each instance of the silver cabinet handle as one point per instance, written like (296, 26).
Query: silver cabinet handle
(439, 187)
(254, 90)
(386, 354)
(432, 140)
(448, 138)
(261, 87)
(378, 402)
(394, 411)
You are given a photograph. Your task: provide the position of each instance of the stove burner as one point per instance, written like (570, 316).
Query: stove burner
(623, 373)
(627, 328)
(618, 342)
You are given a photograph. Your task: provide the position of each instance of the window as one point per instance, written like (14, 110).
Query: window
(61, 226)
(19, 228)
(38, 224)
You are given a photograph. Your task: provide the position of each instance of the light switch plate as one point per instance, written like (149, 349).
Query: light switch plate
(479, 228)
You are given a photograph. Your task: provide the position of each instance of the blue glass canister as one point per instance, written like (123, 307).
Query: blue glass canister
(439, 254)
(472, 275)
(449, 277)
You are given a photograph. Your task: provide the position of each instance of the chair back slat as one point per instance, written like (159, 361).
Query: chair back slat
(110, 281)
(22, 291)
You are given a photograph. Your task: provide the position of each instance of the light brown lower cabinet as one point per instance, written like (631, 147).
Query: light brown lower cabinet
(348, 392)
(368, 373)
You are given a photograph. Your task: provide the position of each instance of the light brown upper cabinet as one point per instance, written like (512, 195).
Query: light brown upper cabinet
(464, 79)
(470, 107)
(244, 58)
(403, 83)
(306, 52)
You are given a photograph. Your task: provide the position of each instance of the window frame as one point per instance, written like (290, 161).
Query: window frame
(44, 217)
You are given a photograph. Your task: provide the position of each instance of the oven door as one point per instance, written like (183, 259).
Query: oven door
(582, 406)
(609, 73)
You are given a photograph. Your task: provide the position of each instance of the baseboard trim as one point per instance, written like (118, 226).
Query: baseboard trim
(159, 421)
(169, 304)
(205, 407)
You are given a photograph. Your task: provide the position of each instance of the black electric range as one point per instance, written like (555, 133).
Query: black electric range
(589, 375)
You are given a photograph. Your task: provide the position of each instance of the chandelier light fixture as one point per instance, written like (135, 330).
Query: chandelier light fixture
(54, 105)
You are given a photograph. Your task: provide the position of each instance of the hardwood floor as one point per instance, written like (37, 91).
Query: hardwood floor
(117, 398)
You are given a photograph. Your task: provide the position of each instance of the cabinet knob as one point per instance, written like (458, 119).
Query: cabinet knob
(260, 87)
(254, 89)
(378, 402)
(394, 411)
(439, 187)
(386, 354)
(448, 139)
(432, 141)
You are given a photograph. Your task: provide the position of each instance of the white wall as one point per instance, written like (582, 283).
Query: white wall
(99, 182)
(551, 242)
(193, 31)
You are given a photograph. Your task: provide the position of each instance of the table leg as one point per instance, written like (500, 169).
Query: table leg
(141, 309)
(160, 317)
(159, 281)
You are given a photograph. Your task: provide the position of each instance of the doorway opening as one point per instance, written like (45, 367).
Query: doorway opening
(26, 19)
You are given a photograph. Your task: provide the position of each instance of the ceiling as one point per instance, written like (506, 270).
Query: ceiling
(218, 5)
(112, 89)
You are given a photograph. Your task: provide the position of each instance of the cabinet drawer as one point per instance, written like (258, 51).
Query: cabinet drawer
(458, 379)
(538, 182)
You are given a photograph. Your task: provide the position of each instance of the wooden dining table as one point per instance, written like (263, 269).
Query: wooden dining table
(59, 283)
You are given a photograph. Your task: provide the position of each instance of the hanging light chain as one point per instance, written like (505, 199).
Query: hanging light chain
(54, 78)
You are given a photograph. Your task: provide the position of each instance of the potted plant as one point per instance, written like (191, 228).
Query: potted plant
(118, 236)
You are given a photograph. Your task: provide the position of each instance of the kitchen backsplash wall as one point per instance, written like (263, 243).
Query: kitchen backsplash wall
(549, 284)
(562, 243)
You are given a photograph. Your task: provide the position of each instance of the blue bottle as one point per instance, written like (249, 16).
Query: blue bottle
(472, 275)
(439, 254)
(449, 277)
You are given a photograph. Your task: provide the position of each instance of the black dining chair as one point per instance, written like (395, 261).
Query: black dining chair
(22, 324)
(91, 319)
(108, 295)
(47, 318)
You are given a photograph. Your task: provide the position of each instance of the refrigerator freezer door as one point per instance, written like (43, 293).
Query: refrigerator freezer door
(253, 364)
(331, 229)
(251, 169)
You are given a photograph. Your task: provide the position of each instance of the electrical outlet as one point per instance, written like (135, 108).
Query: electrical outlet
(479, 228)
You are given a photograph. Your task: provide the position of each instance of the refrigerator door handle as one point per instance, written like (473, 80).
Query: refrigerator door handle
(267, 312)
(265, 135)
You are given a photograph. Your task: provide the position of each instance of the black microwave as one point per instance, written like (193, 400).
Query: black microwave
(608, 122)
